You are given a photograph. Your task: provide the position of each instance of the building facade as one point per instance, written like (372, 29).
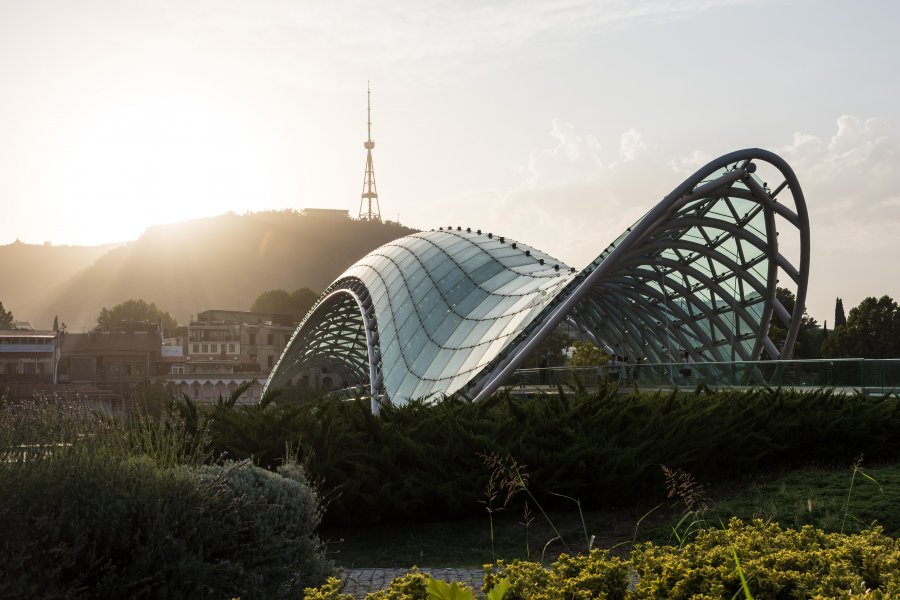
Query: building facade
(224, 350)
(28, 356)
(113, 360)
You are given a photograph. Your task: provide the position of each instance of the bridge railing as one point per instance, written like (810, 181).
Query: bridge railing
(870, 376)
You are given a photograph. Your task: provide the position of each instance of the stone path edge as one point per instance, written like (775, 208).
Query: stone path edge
(359, 582)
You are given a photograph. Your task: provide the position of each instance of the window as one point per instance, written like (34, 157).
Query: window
(271, 361)
(231, 348)
(252, 339)
(195, 348)
(204, 348)
(213, 348)
(270, 339)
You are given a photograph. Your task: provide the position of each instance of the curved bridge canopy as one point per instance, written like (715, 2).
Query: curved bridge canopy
(458, 309)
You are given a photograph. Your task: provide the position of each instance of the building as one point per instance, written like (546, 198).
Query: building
(223, 350)
(28, 356)
(105, 370)
(121, 362)
(455, 311)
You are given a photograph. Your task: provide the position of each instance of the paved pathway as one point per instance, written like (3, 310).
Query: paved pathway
(360, 582)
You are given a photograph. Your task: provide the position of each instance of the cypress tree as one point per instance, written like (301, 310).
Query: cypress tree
(839, 318)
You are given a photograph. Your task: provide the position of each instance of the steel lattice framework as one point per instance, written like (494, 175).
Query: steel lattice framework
(457, 310)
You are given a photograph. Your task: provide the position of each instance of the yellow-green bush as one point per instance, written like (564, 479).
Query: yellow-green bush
(411, 586)
(776, 563)
(594, 575)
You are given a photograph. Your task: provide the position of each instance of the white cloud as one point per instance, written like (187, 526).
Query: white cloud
(689, 163)
(631, 145)
(850, 180)
(852, 187)
(576, 198)
(311, 41)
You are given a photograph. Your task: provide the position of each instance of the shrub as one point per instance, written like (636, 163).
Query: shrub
(776, 563)
(602, 448)
(597, 574)
(87, 515)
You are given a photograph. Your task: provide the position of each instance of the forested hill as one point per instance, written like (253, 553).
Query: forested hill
(30, 273)
(221, 262)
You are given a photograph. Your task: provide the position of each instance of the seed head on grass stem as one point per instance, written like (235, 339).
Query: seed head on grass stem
(683, 488)
(527, 520)
(513, 478)
(857, 469)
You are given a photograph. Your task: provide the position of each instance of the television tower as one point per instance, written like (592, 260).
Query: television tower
(369, 191)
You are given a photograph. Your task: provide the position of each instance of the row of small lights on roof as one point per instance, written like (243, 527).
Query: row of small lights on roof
(503, 241)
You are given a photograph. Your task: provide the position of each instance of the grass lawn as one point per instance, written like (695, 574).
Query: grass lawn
(814, 497)
(819, 498)
(467, 542)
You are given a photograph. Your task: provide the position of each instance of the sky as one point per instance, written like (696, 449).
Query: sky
(557, 123)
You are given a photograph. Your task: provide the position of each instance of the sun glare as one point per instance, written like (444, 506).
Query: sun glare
(136, 159)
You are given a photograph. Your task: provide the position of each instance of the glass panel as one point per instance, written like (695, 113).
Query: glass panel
(404, 312)
(453, 366)
(425, 357)
(499, 280)
(458, 292)
(488, 304)
(432, 310)
(414, 346)
(485, 271)
(460, 335)
(465, 254)
(446, 328)
(474, 356)
(470, 302)
(439, 363)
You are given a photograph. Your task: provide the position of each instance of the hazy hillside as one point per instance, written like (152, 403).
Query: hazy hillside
(30, 274)
(220, 262)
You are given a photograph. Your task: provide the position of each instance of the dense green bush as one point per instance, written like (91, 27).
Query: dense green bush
(97, 509)
(774, 562)
(422, 460)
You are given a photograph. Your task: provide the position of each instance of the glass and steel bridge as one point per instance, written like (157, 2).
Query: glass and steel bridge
(457, 310)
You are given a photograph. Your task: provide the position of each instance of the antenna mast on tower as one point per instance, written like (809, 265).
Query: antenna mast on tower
(369, 191)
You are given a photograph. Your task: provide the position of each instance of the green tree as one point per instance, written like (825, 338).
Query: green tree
(839, 316)
(135, 310)
(872, 331)
(549, 352)
(6, 318)
(809, 337)
(586, 354)
(296, 304)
